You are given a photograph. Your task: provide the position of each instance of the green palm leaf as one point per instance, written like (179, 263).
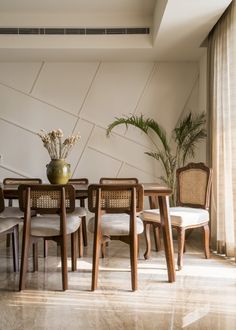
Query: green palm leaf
(143, 124)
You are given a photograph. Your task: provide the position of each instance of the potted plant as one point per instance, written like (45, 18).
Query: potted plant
(58, 170)
(172, 152)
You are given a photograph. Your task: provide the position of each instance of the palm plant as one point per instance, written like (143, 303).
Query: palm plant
(172, 152)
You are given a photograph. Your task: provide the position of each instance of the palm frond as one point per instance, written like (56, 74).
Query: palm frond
(190, 144)
(133, 120)
(189, 127)
(144, 124)
(162, 157)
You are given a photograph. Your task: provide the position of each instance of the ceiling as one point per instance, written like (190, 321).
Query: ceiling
(177, 29)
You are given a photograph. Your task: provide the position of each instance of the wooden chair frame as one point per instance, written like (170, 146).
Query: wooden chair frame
(98, 197)
(82, 234)
(64, 204)
(182, 230)
(110, 180)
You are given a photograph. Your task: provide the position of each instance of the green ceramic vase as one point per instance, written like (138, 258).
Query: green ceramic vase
(58, 171)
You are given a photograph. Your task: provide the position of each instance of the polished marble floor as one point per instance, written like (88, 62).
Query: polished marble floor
(203, 297)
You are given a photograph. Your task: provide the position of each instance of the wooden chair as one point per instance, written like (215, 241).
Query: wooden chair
(82, 212)
(106, 180)
(11, 211)
(192, 210)
(115, 208)
(10, 226)
(57, 220)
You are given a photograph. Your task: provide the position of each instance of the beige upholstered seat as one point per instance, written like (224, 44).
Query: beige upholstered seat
(7, 223)
(193, 197)
(11, 211)
(14, 211)
(119, 202)
(48, 226)
(180, 216)
(116, 224)
(56, 205)
(9, 226)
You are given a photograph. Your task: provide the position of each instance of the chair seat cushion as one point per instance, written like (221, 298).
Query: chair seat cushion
(180, 216)
(8, 223)
(115, 224)
(12, 212)
(49, 225)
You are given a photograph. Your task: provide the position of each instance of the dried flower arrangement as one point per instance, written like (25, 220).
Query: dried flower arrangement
(57, 148)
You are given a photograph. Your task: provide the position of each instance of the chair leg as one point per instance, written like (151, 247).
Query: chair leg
(15, 247)
(181, 242)
(24, 259)
(103, 249)
(134, 262)
(64, 270)
(8, 241)
(35, 257)
(84, 228)
(74, 250)
(81, 248)
(157, 237)
(148, 240)
(45, 248)
(96, 248)
(206, 233)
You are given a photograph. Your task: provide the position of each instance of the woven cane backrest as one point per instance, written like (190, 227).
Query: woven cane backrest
(116, 198)
(194, 185)
(18, 181)
(118, 180)
(47, 199)
(1, 201)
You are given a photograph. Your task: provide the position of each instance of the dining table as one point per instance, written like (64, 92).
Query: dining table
(158, 198)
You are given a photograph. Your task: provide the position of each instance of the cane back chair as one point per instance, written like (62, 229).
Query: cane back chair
(192, 211)
(106, 180)
(81, 212)
(115, 207)
(54, 205)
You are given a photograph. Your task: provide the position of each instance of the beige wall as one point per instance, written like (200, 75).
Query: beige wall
(86, 97)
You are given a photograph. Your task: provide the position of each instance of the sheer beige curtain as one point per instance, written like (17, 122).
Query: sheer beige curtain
(222, 121)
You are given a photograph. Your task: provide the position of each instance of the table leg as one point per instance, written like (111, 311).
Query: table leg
(167, 236)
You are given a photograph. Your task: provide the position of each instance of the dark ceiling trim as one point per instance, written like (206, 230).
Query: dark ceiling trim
(74, 31)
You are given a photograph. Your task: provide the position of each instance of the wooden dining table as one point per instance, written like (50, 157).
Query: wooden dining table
(158, 197)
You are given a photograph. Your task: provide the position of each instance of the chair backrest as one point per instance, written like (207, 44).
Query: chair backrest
(115, 198)
(118, 181)
(78, 181)
(47, 198)
(194, 185)
(18, 181)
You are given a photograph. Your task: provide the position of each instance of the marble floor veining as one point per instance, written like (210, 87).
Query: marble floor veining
(203, 296)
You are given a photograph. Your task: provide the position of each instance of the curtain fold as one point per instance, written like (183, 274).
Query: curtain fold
(222, 121)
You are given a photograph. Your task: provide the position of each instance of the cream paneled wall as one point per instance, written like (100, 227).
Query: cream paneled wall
(86, 97)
